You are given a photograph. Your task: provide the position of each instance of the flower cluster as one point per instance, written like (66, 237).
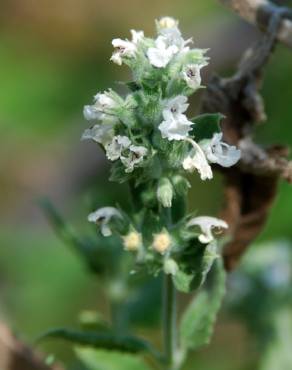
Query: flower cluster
(153, 144)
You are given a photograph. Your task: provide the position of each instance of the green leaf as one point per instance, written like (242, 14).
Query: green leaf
(195, 262)
(206, 125)
(187, 282)
(198, 320)
(100, 254)
(62, 228)
(105, 340)
(183, 281)
(105, 360)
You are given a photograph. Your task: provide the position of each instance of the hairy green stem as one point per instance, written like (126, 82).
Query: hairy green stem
(169, 322)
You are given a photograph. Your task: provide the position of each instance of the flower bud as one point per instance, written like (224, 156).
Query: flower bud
(165, 192)
(170, 267)
(181, 184)
(166, 22)
(161, 242)
(132, 241)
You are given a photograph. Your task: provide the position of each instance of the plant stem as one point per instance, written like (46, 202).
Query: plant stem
(169, 321)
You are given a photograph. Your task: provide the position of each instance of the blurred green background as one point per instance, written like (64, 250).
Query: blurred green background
(54, 56)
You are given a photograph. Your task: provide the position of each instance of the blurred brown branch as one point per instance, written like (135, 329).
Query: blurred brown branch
(260, 12)
(250, 187)
(14, 355)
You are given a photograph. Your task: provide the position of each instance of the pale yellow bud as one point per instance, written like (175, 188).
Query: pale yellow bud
(166, 22)
(132, 241)
(161, 242)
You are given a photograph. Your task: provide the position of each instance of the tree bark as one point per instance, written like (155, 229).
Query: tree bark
(259, 13)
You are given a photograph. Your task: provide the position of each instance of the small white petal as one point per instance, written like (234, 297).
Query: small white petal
(135, 156)
(139, 150)
(116, 58)
(102, 134)
(116, 147)
(168, 28)
(219, 152)
(206, 225)
(137, 36)
(160, 55)
(176, 127)
(102, 217)
(197, 161)
(105, 101)
(103, 213)
(91, 113)
(192, 75)
(124, 48)
(103, 104)
(177, 104)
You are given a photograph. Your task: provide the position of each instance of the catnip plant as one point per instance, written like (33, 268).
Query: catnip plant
(153, 146)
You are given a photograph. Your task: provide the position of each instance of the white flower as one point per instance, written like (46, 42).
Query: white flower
(91, 113)
(115, 148)
(134, 157)
(102, 217)
(175, 127)
(175, 106)
(168, 28)
(137, 36)
(103, 103)
(192, 75)
(160, 55)
(126, 48)
(207, 224)
(219, 152)
(197, 160)
(102, 134)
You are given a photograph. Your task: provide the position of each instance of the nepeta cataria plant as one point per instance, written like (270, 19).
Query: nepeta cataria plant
(153, 145)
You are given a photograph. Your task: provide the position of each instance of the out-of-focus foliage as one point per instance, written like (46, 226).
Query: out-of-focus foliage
(101, 360)
(261, 296)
